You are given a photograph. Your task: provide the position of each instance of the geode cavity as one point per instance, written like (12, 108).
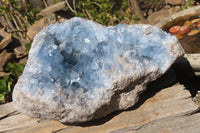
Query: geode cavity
(80, 70)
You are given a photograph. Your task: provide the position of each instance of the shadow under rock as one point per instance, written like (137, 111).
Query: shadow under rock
(14, 44)
(179, 72)
(186, 76)
(1, 38)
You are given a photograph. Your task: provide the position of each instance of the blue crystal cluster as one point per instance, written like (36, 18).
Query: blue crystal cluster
(80, 70)
(80, 56)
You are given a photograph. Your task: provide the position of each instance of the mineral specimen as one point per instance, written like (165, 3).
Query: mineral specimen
(80, 70)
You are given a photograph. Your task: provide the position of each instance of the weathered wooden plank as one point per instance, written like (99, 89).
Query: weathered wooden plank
(172, 124)
(6, 110)
(21, 123)
(169, 104)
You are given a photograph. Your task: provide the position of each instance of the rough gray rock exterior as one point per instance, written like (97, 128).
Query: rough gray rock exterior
(80, 70)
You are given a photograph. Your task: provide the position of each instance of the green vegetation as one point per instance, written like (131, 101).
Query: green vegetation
(137, 18)
(99, 10)
(188, 4)
(28, 47)
(16, 19)
(8, 81)
(105, 12)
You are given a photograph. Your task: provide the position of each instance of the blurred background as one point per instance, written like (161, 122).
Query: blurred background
(21, 20)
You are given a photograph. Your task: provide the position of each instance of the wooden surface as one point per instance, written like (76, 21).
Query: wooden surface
(169, 110)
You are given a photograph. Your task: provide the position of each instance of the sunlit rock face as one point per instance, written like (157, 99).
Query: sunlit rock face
(80, 70)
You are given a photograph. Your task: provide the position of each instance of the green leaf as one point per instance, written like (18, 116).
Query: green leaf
(136, 18)
(28, 47)
(10, 66)
(9, 87)
(2, 86)
(126, 18)
(67, 8)
(3, 8)
(2, 98)
(19, 67)
(6, 77)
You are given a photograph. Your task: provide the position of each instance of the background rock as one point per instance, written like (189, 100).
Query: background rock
(43, 22)
(161, 14)
(79, 70)
(37, 4)
(175, 2)
(52, 9)
(194, 60)
(3, 74)
(5, 39)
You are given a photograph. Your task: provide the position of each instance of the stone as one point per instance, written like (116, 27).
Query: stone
(52, 9)
(5, 39)
(80, 70)
(194, 61)
(41, 23)
(161, 14)
(3, 74)
(176, 16)
(175, 2)
(38, 5)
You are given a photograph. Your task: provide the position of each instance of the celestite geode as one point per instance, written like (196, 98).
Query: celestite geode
(80, 70)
